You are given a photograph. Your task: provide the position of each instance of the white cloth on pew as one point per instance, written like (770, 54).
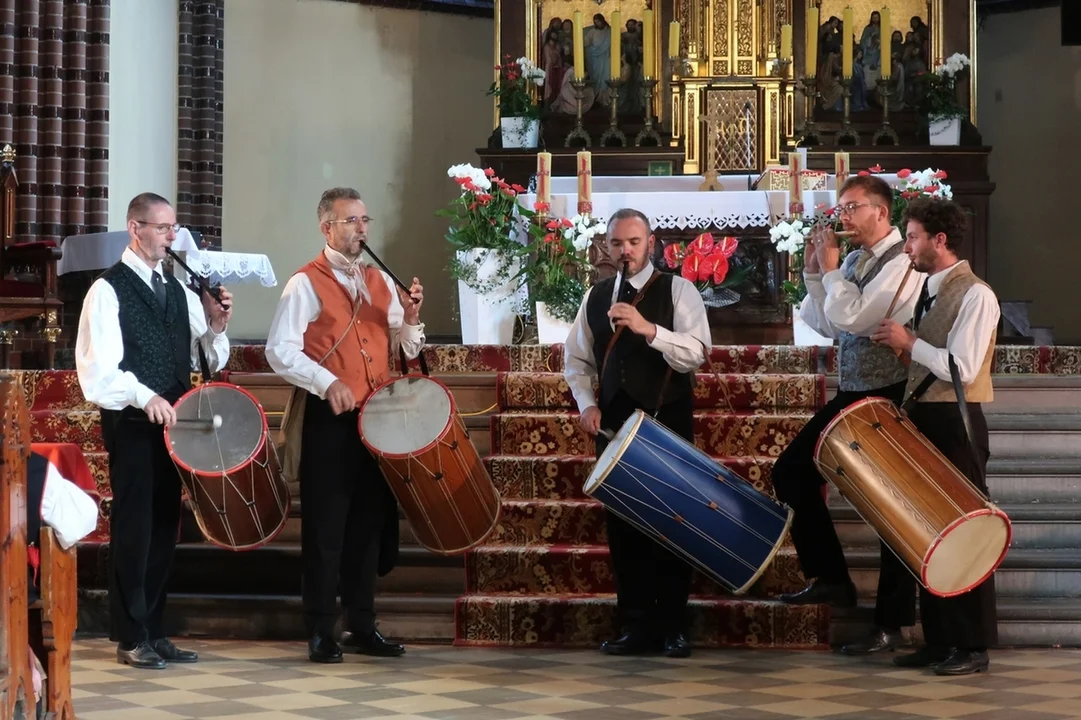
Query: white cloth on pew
(67, 509)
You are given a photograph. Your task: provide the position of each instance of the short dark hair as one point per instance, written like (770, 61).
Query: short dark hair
(938, 215)
(326, 202)
(627, 214)
(142, 202)
(873, 186)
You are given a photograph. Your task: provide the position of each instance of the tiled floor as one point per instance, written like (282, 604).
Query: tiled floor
(274, 681)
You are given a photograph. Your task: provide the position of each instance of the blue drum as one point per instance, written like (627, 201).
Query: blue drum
(698, 508)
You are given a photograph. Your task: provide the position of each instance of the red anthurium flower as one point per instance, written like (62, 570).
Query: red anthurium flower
(690, 267)
(551, 224)
(903, 173)
(706, 266)
(517, 188)
(727, 247)
(484, 198)
(550, 237)
(541, 207)
(566, 223)
(831, 212)
(702, 245)
(489, 172)
(940, 175)
(863, 173)
(673, 255)
(720, 268)
(876, 169)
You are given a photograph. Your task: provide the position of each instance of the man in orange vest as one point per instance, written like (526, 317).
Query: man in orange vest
(332, 336)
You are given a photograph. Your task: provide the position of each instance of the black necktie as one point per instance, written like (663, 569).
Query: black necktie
(626, 294)
(923, 305)
(159, 287)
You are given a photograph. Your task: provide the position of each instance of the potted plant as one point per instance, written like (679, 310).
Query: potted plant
(486, 234)
(708, 264)
(944, 113)
(519, 111)
(560, 273)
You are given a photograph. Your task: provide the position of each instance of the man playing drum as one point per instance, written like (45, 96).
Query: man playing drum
(138, 340)
(956, 320)
(332, 336)
(847, 301)
(643, 345)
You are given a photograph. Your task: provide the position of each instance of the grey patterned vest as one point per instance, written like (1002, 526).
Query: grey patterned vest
(862, 364)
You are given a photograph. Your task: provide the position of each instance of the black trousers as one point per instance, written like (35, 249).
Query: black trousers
(345, 503)
(652, 584)
(798, 483)
(144, 523)
(968, 621)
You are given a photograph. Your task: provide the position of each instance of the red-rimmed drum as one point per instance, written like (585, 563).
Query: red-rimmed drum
(229, 466)
(411, 426)
(938, 523)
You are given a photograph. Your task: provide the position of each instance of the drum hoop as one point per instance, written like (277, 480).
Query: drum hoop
(451, 417)
(990, 510)
(845, 412)
(225, 471)
(772, 554)
(639, 416)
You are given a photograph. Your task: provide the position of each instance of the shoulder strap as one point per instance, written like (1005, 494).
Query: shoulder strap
(634, 303)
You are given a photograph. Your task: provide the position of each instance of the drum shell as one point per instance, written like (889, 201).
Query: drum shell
(243, 507)
(913, 496)
(449, 514)
(686, 500)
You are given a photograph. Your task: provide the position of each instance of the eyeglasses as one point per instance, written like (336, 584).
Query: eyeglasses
(850, 208)
(352, 220)
(162, 229)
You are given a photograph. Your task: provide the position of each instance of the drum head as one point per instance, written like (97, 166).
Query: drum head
(405, 416)
(967, 553)
(611, 455)
(201, 447)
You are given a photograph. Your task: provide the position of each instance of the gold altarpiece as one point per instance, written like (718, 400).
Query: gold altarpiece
(725, 96)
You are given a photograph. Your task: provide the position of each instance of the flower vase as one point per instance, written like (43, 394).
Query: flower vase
(488, 318)
(944, 131)
(519, 132)
(550, 330)
(804, 335)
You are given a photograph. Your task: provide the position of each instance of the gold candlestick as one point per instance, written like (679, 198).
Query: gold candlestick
(809, 135)
(648, 132)
(847, 132)
(613, 132)
(886, 131)
(579, 132)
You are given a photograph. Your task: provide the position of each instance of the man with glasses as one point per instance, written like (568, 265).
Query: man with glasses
(335, 329)
(847, 301)
(139, 338)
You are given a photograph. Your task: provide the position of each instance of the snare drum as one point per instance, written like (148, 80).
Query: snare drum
(939, 524)
(704, 512)
(231, 472)
(411, 425)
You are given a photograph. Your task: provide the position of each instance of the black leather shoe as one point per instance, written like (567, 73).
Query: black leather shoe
(878, 641)
(323, 649)
(140, 655)
(839, 595)
(676, 646)
(963, 662)
(171, 653)
(371, 644)
(632, 642)
(924, 657)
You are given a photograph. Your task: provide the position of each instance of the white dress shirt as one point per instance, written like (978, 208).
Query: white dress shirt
(300, 306)
(683, 346)
(99, 347)
(970, 337)
(834, 304)
(67, 509)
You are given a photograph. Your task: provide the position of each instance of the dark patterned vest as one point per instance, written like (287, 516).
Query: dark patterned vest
(157, 343)
(633, 366)
(864, 364)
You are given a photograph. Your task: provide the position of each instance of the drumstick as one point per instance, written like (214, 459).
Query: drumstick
(607, 433)
(215, 423)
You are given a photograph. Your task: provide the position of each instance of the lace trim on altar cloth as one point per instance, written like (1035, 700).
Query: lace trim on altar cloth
(230, 267)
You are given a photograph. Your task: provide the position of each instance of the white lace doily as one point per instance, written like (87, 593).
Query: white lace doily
(230, 268)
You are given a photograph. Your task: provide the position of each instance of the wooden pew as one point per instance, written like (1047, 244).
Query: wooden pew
(16, 682)
(54, 618)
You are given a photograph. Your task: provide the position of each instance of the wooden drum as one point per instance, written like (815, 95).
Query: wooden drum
(937, 522)
(411, 426)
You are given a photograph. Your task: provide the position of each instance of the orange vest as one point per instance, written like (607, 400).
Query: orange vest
(362, 359)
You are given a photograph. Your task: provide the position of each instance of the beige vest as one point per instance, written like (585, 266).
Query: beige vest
(935, 327)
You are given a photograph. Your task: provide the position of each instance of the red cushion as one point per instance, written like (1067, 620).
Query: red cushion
(34, 244)
(16, 289)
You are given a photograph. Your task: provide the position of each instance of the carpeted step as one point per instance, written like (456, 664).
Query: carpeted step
(80, 427)
(720, 434)
(562, 477)
(52, 390)
(732, 393)
(586, 621)
(587, 569)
